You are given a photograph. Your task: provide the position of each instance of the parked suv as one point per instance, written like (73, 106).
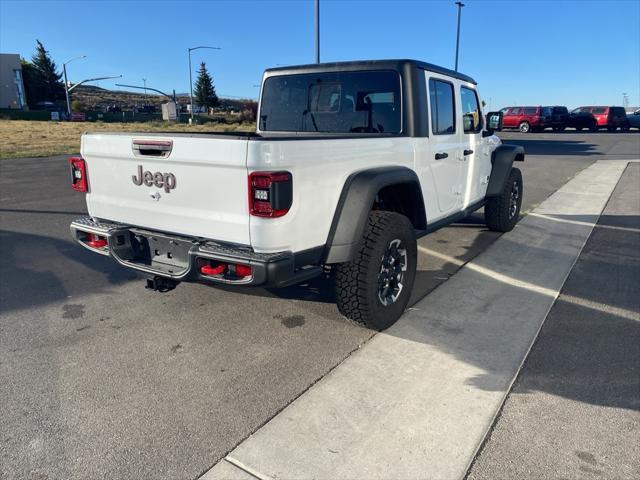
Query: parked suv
(610, 118)
(555, 117)
(581, 118)
(525, 119)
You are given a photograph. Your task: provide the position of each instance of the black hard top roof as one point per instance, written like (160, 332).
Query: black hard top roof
(397, 64)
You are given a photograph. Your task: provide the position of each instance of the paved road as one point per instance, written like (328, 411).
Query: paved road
(101, 377)
(574, 411)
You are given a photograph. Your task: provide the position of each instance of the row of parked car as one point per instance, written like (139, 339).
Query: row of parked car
(537, 119)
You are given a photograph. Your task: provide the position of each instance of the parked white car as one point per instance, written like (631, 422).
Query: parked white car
(350, 163)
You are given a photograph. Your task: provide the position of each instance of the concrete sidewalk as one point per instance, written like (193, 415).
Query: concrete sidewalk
(418, 399)
(574, 411)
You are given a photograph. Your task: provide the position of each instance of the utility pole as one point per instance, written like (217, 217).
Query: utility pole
(460, 5)
(317, 28)
(190, 75)
(66, 81)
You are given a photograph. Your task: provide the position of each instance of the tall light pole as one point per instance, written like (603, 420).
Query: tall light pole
(144, 81)
(460, 5)
(190, 75)
(66, 82)
(317, 28)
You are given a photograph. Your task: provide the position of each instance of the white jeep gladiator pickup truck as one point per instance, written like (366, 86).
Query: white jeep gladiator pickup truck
(350, 163)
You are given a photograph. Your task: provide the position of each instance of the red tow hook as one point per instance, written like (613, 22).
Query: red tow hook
(211, 270)
(96, 241)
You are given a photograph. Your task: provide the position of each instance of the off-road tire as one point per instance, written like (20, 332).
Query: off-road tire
(524, 127)
(356, 282)
(499, 214)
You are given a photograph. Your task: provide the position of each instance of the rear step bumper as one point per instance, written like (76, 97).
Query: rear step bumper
(180, 259)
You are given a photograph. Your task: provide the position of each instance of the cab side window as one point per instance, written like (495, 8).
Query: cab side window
(443, 111)
(471, 114)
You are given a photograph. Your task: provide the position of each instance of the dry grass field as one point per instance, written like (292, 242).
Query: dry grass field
(23, 138)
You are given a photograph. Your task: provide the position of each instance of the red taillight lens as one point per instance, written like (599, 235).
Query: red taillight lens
(78, 174)
(270, 193)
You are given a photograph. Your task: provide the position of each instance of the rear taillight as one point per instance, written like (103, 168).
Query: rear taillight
(79, 180)
(270, 193)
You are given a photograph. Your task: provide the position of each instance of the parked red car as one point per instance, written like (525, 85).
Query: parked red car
(610, 118)
(525, 119)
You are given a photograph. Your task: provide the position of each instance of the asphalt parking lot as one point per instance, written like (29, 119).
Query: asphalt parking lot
(102, 378)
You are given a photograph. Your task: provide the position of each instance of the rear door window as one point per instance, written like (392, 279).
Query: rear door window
(530, 110)
(471, 114)
(599, 110)
(332, 102)
(443, 112)
(515, 111)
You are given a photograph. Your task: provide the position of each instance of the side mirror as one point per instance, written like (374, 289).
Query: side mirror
(494, 121)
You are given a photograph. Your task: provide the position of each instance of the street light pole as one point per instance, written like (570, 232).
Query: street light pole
(460, 5)
(190, 75)
(317, 28)
(144, 80)
(93, 80)
(66, 81)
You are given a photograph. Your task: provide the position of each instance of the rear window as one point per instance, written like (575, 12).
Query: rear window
(340, 102)
(530, 110)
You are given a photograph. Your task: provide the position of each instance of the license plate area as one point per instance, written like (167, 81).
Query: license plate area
(163, 253)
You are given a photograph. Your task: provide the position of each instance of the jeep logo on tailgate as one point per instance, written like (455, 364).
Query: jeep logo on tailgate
(166, 180)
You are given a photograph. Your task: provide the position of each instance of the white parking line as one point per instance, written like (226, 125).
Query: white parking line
(417, 400)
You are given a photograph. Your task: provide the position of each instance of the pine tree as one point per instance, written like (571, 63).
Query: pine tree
(42, 81)
(205, 92)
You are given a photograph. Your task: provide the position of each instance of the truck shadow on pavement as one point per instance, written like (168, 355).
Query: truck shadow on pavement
(38, 270)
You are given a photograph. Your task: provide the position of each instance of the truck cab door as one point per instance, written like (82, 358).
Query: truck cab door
(444, 143)
(475, 163)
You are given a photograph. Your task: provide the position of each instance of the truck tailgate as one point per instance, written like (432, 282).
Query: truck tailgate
(187, 184)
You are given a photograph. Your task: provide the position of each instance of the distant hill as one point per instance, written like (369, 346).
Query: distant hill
(97, 98)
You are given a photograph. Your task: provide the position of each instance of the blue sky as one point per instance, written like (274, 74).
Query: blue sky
(520, 52)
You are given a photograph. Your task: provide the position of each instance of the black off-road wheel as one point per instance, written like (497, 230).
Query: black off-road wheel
(374, 288)
(501, 213)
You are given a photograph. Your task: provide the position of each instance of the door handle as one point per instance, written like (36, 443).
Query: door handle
(441, 155)
(467, 152)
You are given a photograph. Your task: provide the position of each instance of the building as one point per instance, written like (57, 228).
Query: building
(11, 85)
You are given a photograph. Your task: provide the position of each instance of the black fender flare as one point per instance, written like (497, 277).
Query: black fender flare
(502, 161)
(355, 203)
